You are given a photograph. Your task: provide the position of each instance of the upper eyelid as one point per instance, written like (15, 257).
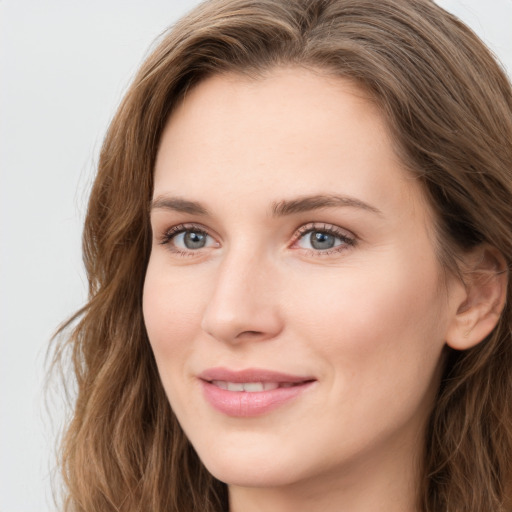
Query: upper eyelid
(323, 226)
(189, 226)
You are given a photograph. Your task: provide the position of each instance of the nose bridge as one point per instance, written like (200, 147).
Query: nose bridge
(242, 303)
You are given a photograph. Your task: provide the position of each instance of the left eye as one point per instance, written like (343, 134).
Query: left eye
(192, 240)
(321, 240)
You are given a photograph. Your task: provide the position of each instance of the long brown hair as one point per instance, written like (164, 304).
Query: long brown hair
(449, 107)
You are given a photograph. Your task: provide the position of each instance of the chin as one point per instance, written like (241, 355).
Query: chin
(243, 476)
(251, 468)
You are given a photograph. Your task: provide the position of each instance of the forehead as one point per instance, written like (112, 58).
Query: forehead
(296, 131)
(284, 103)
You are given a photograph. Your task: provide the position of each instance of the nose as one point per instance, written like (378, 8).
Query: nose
(244, 304)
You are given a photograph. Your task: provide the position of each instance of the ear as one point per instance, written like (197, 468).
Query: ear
(485, 278)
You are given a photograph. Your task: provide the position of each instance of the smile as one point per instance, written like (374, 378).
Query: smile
(251, 392)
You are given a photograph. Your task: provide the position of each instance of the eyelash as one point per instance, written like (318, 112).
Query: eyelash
(330, 229)
(173, 232)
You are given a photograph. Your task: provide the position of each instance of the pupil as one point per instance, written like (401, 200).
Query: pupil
(194, 240)
(322, 241)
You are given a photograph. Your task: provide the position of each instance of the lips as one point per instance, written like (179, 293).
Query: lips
(250, 392)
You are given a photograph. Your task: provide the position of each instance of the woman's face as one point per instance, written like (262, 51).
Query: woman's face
(293, 299)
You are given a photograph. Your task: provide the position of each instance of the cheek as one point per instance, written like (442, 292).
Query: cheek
(172, 310)
(375, 321)
(380, 335)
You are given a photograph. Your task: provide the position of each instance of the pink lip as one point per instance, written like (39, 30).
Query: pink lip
(247, 404)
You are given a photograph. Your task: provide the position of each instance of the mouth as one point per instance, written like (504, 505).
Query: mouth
(251, 392)
(252, 387)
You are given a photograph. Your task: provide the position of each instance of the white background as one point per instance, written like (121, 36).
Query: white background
(64, 65)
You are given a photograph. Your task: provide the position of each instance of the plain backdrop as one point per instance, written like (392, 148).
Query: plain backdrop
(64, 65)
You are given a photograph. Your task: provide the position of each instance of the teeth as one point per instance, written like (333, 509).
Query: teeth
(253, 387)
(248, 387)
(235, 386)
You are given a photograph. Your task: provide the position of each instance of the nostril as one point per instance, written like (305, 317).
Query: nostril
(250, 334)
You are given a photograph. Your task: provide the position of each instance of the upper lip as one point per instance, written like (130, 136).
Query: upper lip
(251, 375)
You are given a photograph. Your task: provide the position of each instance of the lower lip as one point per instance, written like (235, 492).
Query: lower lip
(243, 404)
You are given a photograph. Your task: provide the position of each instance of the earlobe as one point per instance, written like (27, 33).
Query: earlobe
(485, 282)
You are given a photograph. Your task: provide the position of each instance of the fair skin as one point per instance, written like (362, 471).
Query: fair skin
(346, 293)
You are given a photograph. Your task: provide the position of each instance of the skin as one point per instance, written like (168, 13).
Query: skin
(368, 318)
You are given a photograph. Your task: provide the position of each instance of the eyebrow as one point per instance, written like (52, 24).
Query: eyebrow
(316, 202)
(178, 204)
(279, 209)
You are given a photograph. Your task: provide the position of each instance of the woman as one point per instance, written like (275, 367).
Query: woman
(298, 246)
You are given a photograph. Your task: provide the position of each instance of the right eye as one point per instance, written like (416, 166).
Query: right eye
(190, 240)
(183, 239)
